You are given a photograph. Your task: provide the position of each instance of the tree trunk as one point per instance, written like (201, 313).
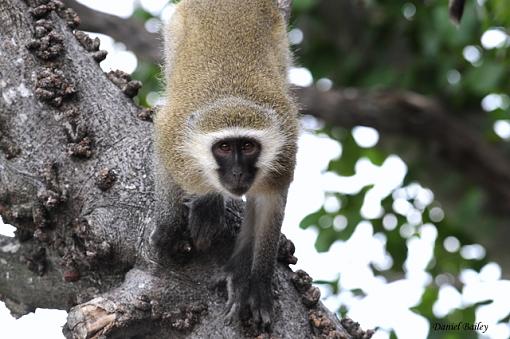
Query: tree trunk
(76, 181)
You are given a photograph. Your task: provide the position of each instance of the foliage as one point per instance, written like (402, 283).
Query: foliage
(413, 46)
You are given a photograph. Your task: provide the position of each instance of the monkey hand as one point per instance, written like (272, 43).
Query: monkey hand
(251, 299)
(162, 243)
(206, 220)
(260, 302)
(203, 230)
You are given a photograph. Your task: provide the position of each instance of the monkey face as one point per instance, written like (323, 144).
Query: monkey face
(237, 159)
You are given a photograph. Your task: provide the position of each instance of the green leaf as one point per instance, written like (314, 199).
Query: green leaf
(427, 302)
(325, 239)
(311, 219)
(485, 78)
(351, 153)
(375, 155)
(303, 5)
(140, 14)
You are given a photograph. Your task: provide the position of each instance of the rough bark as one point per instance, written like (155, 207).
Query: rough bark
(76, 182)
(131, 32)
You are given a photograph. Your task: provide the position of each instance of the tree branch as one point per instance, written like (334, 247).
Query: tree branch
(131, 32)
(417, 117)
(285, 7)
(30, 279)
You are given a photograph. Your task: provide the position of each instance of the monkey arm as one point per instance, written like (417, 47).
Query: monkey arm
(255, 257)
(238, 268)
(170, 211)
(179, 214)
(269, 211)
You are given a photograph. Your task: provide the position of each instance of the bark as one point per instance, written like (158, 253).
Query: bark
(76, 182)
(130, 31)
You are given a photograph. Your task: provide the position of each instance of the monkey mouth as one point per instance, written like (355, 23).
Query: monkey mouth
(239, 190)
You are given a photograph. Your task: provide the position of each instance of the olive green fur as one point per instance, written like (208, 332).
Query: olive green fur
(226, 67)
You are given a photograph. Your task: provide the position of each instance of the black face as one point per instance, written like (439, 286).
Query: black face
(237, 158)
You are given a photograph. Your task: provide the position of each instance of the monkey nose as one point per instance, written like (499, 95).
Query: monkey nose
(237, 173)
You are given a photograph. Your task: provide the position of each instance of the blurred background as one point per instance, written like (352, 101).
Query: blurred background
(400, 209)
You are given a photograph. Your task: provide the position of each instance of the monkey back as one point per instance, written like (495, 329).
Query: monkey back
(226, 71)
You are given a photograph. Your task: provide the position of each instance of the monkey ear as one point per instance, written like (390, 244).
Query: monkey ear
(456, 9)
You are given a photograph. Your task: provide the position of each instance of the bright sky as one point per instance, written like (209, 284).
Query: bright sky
(387, 304)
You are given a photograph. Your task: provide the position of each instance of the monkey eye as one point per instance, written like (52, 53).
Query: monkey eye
(248, 147)
(225, 147)
(222, 148)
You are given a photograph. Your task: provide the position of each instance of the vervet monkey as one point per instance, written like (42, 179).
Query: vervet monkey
(228, 129)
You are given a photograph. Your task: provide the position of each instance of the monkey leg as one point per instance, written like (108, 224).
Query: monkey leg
(206, 219)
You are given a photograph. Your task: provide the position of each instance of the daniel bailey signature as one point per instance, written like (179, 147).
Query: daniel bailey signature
(461, 326)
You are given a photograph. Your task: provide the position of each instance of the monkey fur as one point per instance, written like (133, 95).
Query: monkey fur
(228, 129)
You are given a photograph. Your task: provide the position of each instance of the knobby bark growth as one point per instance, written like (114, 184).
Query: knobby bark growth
(76, 182)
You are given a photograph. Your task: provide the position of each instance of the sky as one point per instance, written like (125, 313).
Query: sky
(386, 304)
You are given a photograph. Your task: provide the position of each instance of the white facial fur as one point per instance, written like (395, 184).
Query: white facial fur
(200, 145)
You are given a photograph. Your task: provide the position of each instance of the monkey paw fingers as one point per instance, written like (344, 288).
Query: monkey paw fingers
(260, 303)
(202, 233)
(236, 289)
(162, 244)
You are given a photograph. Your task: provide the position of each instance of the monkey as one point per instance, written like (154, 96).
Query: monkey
(228, 130)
